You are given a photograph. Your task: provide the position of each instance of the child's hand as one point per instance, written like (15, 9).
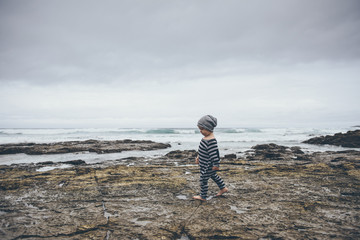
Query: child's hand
(216, 168)
(197, 160)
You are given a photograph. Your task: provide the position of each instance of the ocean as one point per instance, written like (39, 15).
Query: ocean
(230, 140)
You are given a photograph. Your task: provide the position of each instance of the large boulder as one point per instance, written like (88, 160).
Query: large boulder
(273, 151)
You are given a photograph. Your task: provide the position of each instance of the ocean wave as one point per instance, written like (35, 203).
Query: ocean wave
(90, 131)
(105, 132)
(186, 131)
(10, 133)
(253, 130)
(239, 130)
(138, 131)
(161, 131)
(230, 130)
(171, 131)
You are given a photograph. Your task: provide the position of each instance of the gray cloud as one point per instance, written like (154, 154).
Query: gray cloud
(70, 39)
(146, 48)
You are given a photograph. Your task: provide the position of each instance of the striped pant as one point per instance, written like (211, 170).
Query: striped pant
(204, 178)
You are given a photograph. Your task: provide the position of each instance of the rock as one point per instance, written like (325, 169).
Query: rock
(270, 151)
(264, 152)
(75, 162)
(230, 156)
(152, 200)
(81, 146)
(350, 139)
(182, 157)
(45, 163)
(296, 150)
(186, 154)
(270, 147)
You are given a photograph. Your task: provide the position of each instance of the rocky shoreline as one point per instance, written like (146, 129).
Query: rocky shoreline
(81, 146)
(349, 139)
(276, 192)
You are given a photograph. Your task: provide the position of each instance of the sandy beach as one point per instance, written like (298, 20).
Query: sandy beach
(276, 192)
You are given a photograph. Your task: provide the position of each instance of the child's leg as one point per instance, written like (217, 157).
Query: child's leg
(218, 180)
(204, 178)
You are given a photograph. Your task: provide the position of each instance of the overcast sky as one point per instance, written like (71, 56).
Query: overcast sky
(81, 63)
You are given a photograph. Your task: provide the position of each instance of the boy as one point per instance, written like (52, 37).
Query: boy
(208, 157)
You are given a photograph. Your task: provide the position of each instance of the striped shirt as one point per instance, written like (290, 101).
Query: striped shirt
(208, 154)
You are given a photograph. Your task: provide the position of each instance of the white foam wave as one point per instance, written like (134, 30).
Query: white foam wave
(230, 140)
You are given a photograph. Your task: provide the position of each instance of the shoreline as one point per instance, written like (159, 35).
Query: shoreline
(275, 192)
(97, 151)
(90, 145)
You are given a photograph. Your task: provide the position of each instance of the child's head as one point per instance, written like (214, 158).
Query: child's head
(207, 122)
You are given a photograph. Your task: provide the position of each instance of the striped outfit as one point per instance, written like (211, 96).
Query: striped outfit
(208, 158)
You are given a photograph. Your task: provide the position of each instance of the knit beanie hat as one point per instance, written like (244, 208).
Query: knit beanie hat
(208, 122)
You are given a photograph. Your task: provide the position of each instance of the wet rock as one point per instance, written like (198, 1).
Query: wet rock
(81, 146)
(186, 154)
(230, 156)
(273, 151)
(267, 199)
(296, 150)
(350, 139)
(45, 163)
(270, 147)
(75, 162)
(179, 157)
(270, 151)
